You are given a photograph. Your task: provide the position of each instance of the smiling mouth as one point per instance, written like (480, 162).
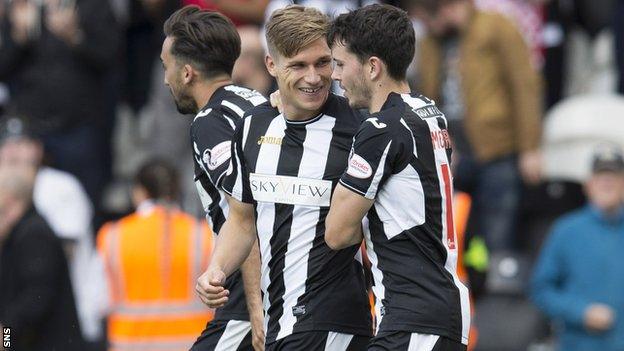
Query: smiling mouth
(310, 90)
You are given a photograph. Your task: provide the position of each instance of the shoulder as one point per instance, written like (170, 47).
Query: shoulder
(212, 116)
(239, 98)
(35, 227)
(571, 223)
(337, 106)
(260, 115)
(491, 24)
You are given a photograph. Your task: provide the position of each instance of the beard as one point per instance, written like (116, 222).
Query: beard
(185, 104)
(359, 96)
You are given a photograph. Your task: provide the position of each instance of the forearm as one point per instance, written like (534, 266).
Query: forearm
(340, 234)
(343, 225)
(233, 246)
(251, 280)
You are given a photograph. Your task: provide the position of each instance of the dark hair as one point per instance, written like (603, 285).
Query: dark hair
(377, 30)
(207, 39)
(159, 179)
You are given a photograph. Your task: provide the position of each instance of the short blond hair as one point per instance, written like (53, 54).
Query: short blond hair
(294, 27)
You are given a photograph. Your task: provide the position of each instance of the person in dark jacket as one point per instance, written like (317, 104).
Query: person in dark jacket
(54, 56)
(36, 299)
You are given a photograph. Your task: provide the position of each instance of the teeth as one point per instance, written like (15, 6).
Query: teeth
(309, 90)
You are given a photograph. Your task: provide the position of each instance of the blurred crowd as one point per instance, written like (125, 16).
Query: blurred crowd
(532, 90)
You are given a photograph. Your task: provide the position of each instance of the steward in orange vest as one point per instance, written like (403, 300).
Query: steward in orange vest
(153, 258)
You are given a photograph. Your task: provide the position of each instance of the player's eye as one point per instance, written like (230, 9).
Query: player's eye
(323, 63)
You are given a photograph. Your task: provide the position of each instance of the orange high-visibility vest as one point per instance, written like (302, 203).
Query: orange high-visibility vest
(153, 258)
(461, 209)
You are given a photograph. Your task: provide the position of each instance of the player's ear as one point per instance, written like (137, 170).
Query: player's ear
(375, 68)
(188, 74)
(270, 64)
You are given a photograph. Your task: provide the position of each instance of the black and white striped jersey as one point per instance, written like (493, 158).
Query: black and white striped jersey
(401, 159)
(211, 135)
(288, 170)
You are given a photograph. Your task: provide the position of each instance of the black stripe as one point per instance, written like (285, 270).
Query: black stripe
(246, 344)
(214, 211)
(288, 165)
(338, 152)
(257, 128)
(358, 343)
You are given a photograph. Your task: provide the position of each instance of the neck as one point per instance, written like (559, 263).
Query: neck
(204, 90)
(382, 89)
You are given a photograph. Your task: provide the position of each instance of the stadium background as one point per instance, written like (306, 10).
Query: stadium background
(576, 45)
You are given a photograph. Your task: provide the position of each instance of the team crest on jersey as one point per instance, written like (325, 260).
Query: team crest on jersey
(358, 167)
(217, 156)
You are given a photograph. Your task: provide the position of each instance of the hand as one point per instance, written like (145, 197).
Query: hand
(530, 165)
(210, 288)
(257, 331)
(24, 17)
(63, 23)
(276, 100)
(598, 317)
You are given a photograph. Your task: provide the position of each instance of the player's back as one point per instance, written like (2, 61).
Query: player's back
(402, 160)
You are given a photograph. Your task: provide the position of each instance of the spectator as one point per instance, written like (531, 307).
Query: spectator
(53, 55)
(152, 258)
(36, 299)
(249, 70)
(241, 12)
(476, 66)
(62, 202)
(578, 278)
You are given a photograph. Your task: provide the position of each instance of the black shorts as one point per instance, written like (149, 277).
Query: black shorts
(320, 341)
(406, 341)
(225, 335)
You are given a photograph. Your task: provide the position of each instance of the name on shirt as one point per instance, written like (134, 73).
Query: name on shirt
(429, 111)
(290, 190)
(441, 139)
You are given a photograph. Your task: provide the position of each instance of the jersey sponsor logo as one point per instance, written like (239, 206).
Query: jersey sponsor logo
(269, 140)
(429, 111)
(218, 155)
(441, 139)
(290, 190)
(375, 122)
(359, 168)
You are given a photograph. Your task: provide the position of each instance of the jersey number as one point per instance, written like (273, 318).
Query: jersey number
(450, 229)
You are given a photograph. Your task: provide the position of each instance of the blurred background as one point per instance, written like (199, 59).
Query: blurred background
(532, 90)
